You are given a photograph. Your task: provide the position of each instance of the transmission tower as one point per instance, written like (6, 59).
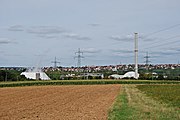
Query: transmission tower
(55, 62)
(147, 59)
(79, 54)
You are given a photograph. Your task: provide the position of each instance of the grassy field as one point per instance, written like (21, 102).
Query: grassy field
(83, 82)
(169, 94)
(134, 104)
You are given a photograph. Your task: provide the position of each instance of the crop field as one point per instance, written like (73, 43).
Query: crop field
(80, 102)
(90, 99)
(169, 94)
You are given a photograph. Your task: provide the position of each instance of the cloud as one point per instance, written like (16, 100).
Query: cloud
(122, 51)
(91, 50)
(54, 32)
(178, 49)
(46, 30)
(16, 28)
(174, 48)
(12, 55)
(1, 52)
(127, 38)
(48, 36)
(165, 53)
(146, 38)
(49, 32)
(76, 36)
(122, 55)
(94, 24)
(6, 41)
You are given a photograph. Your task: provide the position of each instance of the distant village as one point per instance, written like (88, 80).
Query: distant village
(112, 67)
(100, 68)
(151, 72)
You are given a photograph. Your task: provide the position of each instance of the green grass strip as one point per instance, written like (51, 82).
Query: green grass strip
(132, 104)
(121, 110)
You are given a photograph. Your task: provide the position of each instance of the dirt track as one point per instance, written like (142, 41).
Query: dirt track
(57, 102)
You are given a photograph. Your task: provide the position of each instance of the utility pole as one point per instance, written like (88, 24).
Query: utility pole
(55, 62)
(136, 54)
(79, 56)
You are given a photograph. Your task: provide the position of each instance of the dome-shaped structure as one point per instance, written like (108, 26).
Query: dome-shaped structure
(36, 74)
(116, 76)
(130, 74)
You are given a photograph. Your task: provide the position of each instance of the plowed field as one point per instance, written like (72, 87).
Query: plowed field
(89, 102)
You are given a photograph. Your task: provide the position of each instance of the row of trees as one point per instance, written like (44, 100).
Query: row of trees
(11, 75)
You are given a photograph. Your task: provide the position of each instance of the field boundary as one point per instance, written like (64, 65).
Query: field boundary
(83, 82)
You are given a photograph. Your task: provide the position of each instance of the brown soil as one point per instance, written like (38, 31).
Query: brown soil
(90, 102)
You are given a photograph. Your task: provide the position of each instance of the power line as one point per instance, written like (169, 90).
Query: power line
(167, 39)
(151, 45)
(164, 44)
(161, 30)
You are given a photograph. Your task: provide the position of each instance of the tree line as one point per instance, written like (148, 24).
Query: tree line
(11, 75)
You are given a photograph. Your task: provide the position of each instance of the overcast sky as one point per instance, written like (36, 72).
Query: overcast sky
(34, 32)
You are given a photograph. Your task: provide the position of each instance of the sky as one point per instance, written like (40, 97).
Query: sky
(34, 32)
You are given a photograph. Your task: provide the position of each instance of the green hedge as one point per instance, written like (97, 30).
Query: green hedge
(83, 82)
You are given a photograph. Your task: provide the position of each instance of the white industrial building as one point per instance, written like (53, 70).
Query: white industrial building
(35, 74)
(130, 74)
